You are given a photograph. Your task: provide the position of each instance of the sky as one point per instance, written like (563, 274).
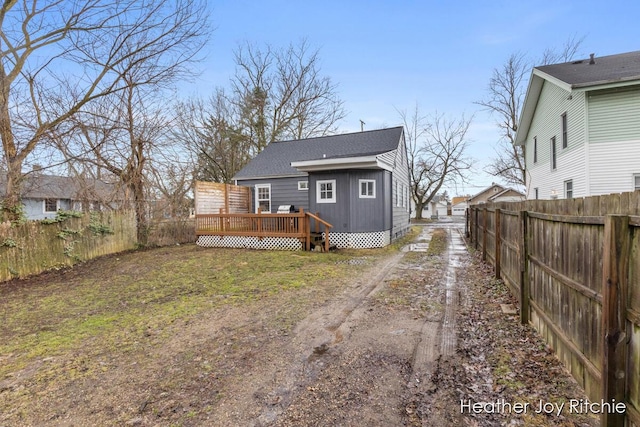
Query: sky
(387, 56)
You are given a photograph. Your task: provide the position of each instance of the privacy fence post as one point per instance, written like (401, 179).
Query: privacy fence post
(498, 242)
(466, 222)
(476, 227)
(484, 234)
(524, 268)
(615, 276)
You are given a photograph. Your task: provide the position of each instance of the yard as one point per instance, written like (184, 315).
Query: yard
(189, 336)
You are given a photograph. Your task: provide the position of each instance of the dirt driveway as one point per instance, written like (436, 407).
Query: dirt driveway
(402, 342)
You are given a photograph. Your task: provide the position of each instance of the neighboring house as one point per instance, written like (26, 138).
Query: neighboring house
(358, 182)
(459, 205)
(437, 207)
(484, 195)
(580, 127)
(496, 193)
(44, 195)
(507, 195)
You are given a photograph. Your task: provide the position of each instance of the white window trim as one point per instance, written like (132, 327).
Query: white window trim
(44, 205)
(366, 196)
(569, 181)
(636, 177)
(257, 186)
(303, 185)
(333, 191)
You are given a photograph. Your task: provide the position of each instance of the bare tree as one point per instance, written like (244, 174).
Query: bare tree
(506, 93)
(436, 149)
(281, 94)
(275, 94)
(212, 132)
(58, 56)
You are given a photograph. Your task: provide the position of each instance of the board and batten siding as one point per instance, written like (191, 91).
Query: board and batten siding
(350, 213)
(547, 123)
(284, 191)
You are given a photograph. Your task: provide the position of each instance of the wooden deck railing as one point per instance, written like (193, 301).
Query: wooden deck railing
(294, 224)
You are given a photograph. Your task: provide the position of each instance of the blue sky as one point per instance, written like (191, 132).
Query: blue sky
(388, 55)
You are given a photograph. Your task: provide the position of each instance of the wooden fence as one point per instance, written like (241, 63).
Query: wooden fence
(574, 266)
(37, 246)
(210, 197)
(172, 231)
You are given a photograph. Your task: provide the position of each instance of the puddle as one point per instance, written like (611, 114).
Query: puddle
(418, 247)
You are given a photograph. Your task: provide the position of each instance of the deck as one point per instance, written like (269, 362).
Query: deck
(307, 227)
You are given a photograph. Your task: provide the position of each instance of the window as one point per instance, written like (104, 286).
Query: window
(263, 197)
(568, 189)
(326, 191)
(565, 141)
(536, 193)
(367, 188)
(535, 149)
(554, 159)
(50, 205)
(405, 196)
(303, 185)
(636, 181)
(396, 194)
(408, 200)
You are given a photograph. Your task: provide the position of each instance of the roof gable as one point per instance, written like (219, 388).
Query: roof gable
(603, 72)
(486, 193)
(276, 158)
(619, 68)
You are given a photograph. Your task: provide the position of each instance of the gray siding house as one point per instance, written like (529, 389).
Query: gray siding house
(43, 195)
(358, 182)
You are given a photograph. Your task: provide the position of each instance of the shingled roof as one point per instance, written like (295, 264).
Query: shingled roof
(39, 186)
(595, 73)
(275, 160)
(596, 70)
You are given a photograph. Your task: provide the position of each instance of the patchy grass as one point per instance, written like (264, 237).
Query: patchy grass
(438, 243)
(117, 302)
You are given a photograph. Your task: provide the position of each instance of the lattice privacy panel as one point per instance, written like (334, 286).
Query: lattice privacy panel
(268, 243)
(376, 239)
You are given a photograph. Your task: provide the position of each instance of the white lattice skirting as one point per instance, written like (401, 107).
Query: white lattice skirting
(268, 243)
(376, 239)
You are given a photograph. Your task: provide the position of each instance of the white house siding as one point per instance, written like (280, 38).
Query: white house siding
(570, 167)
(614, 140)
(612, 166)
(546, 124)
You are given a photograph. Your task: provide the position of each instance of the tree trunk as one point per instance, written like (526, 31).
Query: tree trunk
(419, 209)
(11, 204)
(142, 223)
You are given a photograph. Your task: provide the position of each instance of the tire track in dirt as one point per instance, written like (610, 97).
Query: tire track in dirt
(438, 338)
(315, 337)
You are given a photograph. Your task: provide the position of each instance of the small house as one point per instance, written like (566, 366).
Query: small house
(357, 182)
(43, 195)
